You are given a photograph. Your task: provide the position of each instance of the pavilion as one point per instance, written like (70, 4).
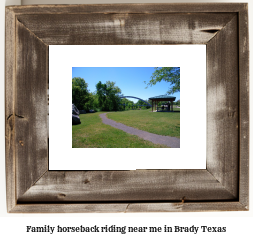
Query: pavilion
(167, 98)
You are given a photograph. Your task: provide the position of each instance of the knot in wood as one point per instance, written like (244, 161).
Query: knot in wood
(61, 195)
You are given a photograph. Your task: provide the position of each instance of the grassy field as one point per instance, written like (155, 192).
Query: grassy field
(92, 133)
(160, 123)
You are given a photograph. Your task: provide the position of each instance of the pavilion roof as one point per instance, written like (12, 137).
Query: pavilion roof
(163, 97)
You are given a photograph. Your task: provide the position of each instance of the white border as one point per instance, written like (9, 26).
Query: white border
(192, 62)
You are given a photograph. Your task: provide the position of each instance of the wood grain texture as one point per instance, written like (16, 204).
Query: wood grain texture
(222, 107)
(155, 8)
(140, 185)
(30, 109)
(129, 207)
(132, 29)
(186, 207)
(244, 106)
(223, 186)
(9, 109)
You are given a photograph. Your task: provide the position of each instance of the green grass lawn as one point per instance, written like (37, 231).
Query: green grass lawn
(92, 133)
(160, 123)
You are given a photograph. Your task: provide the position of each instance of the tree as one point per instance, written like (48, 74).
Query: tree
(80, 93)
(126, 104)
(177, 102)
(89, 104)
(108, 96)
(143, 104)
(95, 100)
(101, 94)
(168, 74)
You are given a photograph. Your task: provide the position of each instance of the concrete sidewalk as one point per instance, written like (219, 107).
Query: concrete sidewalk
(172, 142)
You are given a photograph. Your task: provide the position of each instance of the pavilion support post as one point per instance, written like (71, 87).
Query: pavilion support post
(172, 106)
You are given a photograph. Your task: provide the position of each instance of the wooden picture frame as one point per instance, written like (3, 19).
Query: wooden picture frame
(222, 186)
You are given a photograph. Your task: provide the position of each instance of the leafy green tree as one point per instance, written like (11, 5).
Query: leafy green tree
(126, 104)
(130, 105)
(108, 96)
(101, 94)
(168, 74)
(89, 103)
(177, 102)
(80, 93)
(142, 104)
(95, 100)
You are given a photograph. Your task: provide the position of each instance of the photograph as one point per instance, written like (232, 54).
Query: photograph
(128, 108)
(126, 63)
(117, 107)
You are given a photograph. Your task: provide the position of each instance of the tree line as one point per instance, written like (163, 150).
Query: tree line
(105, 98)
(107, 95)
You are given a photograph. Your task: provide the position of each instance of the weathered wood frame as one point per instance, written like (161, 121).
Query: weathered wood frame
(222, 186)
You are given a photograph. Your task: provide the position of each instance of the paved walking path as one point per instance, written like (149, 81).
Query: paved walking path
(172, 142)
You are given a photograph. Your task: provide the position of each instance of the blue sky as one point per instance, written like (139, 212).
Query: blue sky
(129, 79)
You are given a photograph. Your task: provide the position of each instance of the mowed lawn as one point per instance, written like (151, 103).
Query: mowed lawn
(92, 133)
(160, 123)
